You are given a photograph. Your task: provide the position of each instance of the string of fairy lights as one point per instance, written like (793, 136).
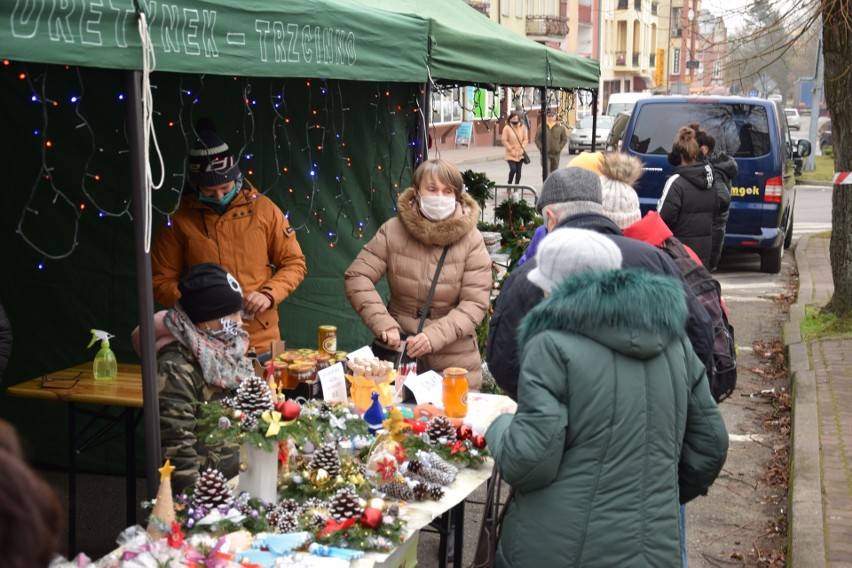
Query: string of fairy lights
(326, 151)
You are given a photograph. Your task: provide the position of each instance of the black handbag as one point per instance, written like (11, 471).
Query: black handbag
(492, 523)
(402, 362)
(526, 157)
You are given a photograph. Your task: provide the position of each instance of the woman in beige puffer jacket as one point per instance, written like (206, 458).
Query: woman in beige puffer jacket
(407, 249)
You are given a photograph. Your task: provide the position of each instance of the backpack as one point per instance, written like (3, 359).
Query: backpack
(707, 289)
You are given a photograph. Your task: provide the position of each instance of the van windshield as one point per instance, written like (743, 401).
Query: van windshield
(740, 130)
(615, 108)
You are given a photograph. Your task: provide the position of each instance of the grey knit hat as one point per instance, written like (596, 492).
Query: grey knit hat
(210, 160)
(620, 202)
(564, 252)
(576, 186)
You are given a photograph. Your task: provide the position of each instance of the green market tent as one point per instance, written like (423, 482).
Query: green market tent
(468, 47)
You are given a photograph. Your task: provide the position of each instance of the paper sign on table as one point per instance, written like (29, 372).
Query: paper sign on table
(333, 383)
(427, 387)
(360, 353)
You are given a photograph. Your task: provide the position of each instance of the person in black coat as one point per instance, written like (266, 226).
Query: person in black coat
(689, 203)
(5, 341)
(571, 197)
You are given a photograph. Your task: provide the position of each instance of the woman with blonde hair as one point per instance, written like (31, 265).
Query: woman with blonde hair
(688, 203)
(436, 218)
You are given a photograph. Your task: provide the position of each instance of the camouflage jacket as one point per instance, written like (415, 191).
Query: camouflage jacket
(181, 387)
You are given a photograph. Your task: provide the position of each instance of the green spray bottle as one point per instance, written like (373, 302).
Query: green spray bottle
(105, 367)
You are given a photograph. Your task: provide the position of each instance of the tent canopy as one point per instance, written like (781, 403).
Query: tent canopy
(468, 47)
(332, 39)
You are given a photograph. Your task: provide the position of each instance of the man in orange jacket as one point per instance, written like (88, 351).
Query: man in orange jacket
(223, 219)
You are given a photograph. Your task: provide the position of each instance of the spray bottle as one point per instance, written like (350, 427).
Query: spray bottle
(105, 366)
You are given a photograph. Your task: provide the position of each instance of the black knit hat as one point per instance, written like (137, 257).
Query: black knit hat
(209, 292)
(210, 159)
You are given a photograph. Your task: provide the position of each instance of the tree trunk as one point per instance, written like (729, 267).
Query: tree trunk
(837, 51)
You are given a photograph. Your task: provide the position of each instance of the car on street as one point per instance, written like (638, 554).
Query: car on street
(793, 120)
(824, 135)
(581, 137)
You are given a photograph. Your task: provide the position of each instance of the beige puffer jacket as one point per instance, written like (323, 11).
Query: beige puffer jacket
(407, 248)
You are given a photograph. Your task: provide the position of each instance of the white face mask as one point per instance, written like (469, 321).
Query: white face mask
(437, 207)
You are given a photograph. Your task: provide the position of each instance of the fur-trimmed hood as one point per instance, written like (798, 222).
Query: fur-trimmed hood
(619, 309)
(621, 167)
(440, 233)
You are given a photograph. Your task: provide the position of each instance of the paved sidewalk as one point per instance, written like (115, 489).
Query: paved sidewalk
(821, 472)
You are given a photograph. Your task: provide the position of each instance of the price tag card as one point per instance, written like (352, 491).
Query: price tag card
(333, 383)
(427, 387)
(360, 353)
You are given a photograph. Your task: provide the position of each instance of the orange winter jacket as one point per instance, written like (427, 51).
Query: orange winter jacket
(252, 240)
(407, 249)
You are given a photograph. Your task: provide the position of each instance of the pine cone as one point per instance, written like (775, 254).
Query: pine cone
(436, 492)
(211, 490)
(328, 459)
(440, 427)
(421, 491)
(398, 489)
(253, 396)
(345, 505)
(435, 461)
(415, 466)
(314, 503)
(287, 523)
(317, 521)
(432, 475)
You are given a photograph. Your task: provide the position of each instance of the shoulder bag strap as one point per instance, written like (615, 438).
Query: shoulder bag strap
(428, 303)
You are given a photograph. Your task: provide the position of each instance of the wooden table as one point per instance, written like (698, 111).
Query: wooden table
(78, 385)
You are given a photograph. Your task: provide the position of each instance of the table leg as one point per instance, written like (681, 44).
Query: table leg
(72, 480)
(130, 465)
(458, 514)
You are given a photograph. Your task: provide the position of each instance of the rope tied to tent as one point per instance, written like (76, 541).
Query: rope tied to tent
(149, 63)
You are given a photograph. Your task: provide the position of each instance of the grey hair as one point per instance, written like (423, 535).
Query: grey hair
(558, 210)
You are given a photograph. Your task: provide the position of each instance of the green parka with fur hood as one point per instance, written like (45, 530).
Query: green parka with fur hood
(615, 426)
(407, 249)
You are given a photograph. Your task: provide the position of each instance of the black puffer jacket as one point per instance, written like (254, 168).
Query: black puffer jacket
(724, 170)
(688, 206)
(518, 296)
(5, 341)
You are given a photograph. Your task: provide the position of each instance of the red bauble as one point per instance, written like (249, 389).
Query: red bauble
(371, 518)
(279, 405)
(465, 432)
(479, 441)
(290, 410)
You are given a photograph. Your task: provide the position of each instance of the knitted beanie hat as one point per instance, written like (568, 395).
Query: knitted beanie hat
(588, 160)
(209, 292)
(576, 186)
(210, 161)
(564, 252)
(620, 202)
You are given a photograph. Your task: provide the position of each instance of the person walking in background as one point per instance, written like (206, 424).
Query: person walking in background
(434, 215)
(571, 198)
(30, 515)
(688, 202)
(222, 218)
(557, 138)
(5, 341)
(615, 424)
(724, 171)
(515, 138)
(201, 357)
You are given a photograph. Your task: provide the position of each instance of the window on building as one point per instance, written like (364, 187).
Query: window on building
(504, 8)
(717, 69)
(677, 28)
(676, 61)
(519, 8)
(446, 106)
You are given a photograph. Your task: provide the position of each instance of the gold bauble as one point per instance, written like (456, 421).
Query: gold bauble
(243, 466)
(377, 503)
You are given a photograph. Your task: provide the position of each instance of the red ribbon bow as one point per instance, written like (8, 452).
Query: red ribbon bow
(332, 526)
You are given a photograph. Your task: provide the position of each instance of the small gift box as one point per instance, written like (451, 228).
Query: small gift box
(362, 388)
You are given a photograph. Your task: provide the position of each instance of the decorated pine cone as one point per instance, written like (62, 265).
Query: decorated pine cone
(423, 472)
(435, 461)
(441, 431)
(344, 505)
(436, 492)
(328, 459)
(398, 489)
(211, 490)
(317, 521)
(253, 396)
(421, 491)
(314, 503)
(284, 522)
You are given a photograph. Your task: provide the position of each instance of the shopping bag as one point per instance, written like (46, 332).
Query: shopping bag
(526, 157)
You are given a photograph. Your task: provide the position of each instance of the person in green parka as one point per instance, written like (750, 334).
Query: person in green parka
(609, 377)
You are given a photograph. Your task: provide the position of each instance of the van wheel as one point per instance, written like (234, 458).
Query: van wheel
(788, 236)
(770, 259)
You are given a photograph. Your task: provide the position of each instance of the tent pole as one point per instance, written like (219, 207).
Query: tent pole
(144, 290)
(427, 114)
(542, 123)
(594, 119)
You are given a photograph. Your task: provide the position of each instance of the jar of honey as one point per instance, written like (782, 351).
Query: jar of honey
(455, 392)
(303, 372)
(285, 380)
(327, 339)
(322, 361)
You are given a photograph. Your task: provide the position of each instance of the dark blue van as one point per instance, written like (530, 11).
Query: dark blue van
(752, 131)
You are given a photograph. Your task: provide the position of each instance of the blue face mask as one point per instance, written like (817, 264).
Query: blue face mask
(224, 201)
